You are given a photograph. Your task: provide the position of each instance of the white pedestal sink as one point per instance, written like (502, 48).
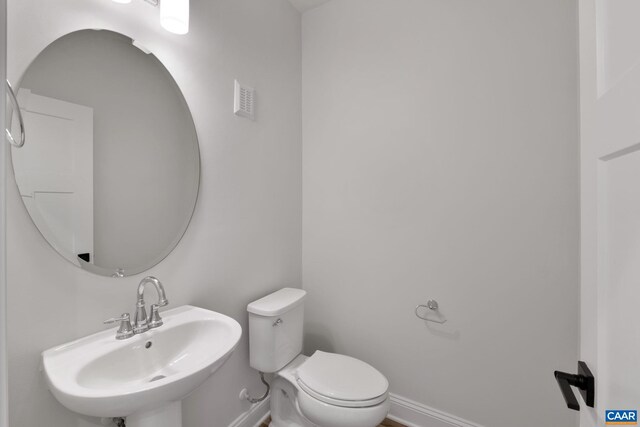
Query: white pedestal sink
(143, 378)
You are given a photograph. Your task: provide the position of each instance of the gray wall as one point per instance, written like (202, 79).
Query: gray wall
(244, 238)
(4, 383)
(440, 160)
(146, 165)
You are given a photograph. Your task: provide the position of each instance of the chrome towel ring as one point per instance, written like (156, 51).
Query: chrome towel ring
(433, 306)
(16, 106)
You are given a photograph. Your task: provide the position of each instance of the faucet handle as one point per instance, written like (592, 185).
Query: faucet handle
(125, 330)
(155, 319)
(124, 317)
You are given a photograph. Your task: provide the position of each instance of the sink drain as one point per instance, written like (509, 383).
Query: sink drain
(157, 377)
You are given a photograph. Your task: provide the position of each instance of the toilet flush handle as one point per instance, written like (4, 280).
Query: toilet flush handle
(277, 322)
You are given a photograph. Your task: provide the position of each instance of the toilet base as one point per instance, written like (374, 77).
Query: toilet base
(287, 399)
(284, 411)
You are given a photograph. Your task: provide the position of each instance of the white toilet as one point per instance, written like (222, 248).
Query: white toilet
(326, 389)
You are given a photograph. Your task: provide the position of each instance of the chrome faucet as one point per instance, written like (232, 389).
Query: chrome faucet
(140, 322)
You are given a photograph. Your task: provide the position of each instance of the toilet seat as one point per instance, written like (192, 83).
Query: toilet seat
(342, 381)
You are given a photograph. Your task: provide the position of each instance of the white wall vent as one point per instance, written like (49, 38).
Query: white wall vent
(244, 101)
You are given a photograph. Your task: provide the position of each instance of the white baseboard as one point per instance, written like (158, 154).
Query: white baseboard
(414, 414)
(254, 416)
(403, 410)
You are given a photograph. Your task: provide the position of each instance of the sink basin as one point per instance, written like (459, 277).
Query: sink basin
(144, 375)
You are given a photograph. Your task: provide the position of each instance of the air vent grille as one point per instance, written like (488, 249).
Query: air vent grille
(244, 101)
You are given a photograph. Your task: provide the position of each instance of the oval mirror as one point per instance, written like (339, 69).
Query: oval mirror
(111, 168)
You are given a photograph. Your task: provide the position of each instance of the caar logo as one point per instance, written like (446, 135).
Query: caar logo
(618, 417)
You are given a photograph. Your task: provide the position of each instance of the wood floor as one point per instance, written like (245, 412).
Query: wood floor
(385, 423)
(389, 423)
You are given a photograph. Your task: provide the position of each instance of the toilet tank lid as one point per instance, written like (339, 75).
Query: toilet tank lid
(277, 303)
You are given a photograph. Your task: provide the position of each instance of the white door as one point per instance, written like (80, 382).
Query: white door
(610, 206)
(54, 171)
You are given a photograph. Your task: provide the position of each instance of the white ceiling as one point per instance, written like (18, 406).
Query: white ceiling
(304, 5)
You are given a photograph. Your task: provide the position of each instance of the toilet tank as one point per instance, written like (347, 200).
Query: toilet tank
(275, 329)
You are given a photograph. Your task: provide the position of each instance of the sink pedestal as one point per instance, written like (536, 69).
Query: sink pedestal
(169, 415)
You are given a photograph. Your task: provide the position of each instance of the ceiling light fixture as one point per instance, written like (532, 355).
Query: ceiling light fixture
(174, 14)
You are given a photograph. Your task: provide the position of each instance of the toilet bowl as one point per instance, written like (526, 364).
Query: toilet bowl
(295, 403)
(324, 390)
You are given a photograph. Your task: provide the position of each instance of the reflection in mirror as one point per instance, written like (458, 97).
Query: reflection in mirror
(111, 169)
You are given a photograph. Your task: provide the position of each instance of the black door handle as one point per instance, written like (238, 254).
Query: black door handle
(583, 380)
